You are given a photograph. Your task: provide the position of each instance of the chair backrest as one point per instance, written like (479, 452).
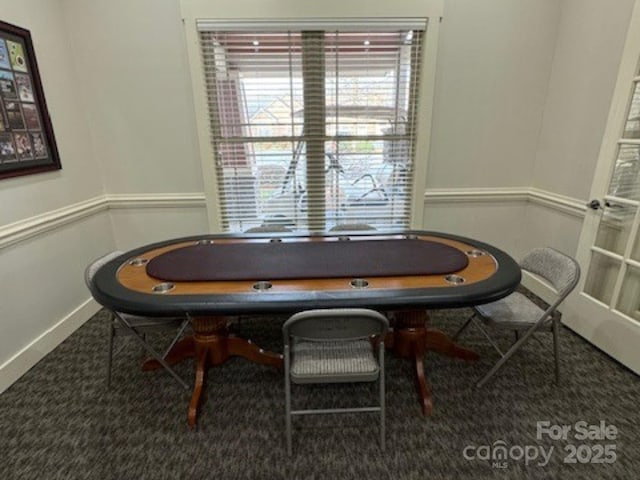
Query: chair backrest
(352, 227)
(560, 270)
(268, 229)
(94, 266)
(335, 324)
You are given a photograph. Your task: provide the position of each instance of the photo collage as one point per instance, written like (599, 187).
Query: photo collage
(21, 134)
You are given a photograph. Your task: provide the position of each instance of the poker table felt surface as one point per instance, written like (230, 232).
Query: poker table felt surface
(218, 274)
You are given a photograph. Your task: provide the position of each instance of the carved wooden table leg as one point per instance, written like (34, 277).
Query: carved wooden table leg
(249, 350)
(409, 342)
(412, 339)
(439, 342)
(424, 395)
(212, 345)
(202, 367)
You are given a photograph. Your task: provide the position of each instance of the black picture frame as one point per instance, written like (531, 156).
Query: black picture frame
(27, 142)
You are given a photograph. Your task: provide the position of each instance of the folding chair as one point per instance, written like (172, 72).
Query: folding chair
(352, 227)
(137, 326)
(516, 312)
(268, 229)
(334, 346)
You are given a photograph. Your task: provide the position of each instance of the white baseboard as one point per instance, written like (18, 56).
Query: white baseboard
(21, 362)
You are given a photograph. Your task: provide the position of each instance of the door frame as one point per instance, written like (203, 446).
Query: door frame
(597, 322)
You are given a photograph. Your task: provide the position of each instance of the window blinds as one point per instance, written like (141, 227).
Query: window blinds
(312, 127)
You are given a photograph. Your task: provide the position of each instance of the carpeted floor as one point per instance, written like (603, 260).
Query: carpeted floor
(59, 421)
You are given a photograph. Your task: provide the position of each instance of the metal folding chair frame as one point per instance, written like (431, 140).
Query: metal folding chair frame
(548, 314)
(520, 340)
(137, 330)
(139, 336)
(290, 412)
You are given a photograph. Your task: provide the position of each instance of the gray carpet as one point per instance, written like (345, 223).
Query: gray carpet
(59, 421)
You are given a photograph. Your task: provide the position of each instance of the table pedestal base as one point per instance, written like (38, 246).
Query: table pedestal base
(411, 339)
(211, 345)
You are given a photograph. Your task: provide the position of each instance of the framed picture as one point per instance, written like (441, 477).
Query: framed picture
(27, 144)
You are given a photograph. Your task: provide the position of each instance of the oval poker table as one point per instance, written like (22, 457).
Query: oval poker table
(212, 277)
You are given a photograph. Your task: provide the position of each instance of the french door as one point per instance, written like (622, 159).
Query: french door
(606, 311)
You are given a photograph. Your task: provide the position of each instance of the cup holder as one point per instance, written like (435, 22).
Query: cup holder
(454, 279)
(262, 286)
(163, 287)
(138, 262)
(359, 283)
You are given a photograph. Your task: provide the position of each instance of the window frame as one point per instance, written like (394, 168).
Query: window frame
(239, 12)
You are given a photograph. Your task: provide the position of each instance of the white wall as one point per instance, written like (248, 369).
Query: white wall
(42, 286)
(585, 66)
(494, 62)
(588, 49)
(134, 79)
(134, 227)
(80, 177)
(522, 96)
(44, 298)
(496, 222)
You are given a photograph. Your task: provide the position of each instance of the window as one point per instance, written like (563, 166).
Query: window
(313, 127)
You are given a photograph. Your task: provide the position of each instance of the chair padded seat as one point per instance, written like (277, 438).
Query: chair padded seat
(329, 362)
(515, 311)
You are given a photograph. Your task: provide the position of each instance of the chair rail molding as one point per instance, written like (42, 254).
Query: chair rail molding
(22, 230)
(561, 203)
(569, 205)
(27, 228)
(163, 200)
(464, 195)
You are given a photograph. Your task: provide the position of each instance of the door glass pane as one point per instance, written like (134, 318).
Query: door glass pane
(632, 127)
(601, 278)
(629, 301)
(615, 226)
(635, 253)
(626, 174)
